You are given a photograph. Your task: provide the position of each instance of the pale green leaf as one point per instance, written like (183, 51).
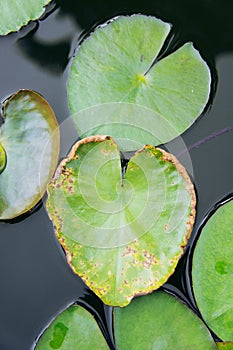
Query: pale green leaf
(30, 138)
(123, 236)
(119, 62)
(17, 13)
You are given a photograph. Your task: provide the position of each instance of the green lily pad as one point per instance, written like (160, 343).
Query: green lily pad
(119, 62)
(225, 345)
(75, 328)
(17, 13)
(29, 139)
(212, 272)
(123, 236)
(159, 321)
(2, 159)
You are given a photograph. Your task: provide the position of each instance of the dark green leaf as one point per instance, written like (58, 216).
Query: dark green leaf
(159, 321)
(212, 272)
(75, 328)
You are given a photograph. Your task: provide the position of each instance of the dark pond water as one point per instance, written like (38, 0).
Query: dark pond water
(36, 282)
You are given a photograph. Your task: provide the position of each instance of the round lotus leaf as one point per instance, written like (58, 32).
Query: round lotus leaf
(119, 62)
(122, 235)
(16, 13)
(74, 328)
(159, 321)
(225, 345)
(30, 143)
(212, 272)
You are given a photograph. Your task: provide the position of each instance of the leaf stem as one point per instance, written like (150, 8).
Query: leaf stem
(206, 139)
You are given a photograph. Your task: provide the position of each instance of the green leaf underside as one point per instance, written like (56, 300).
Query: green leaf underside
(212, 272)
(225, 345)
(124, 237)
(160, 322)
(75, 328)
(30, 137)
(114, 65)
(16, 13)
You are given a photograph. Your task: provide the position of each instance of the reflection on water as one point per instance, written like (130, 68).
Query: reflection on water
(50, 48)
(207, 23)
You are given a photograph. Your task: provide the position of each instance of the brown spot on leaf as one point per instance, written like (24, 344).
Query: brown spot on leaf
(100, 291)
(68, 257)
(57, 221)
(69, 189)
(172, 261)
(149, 259)
(73, 153)
(129, 251)
(168, 157)
(106, 151)
(67, 171)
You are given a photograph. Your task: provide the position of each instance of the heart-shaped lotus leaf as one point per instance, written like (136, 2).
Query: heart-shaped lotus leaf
(225, 345)
(74, 328)
(159, 321)
(119, 62)
(212, 272)
(30, 142)
(16, 13)
(123, 236)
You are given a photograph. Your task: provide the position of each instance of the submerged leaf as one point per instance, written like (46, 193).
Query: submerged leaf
(74, 328)
(159, 321)
(212, 272)
(16, 13)
(31, 140)
(119, 62)
(123, 236)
